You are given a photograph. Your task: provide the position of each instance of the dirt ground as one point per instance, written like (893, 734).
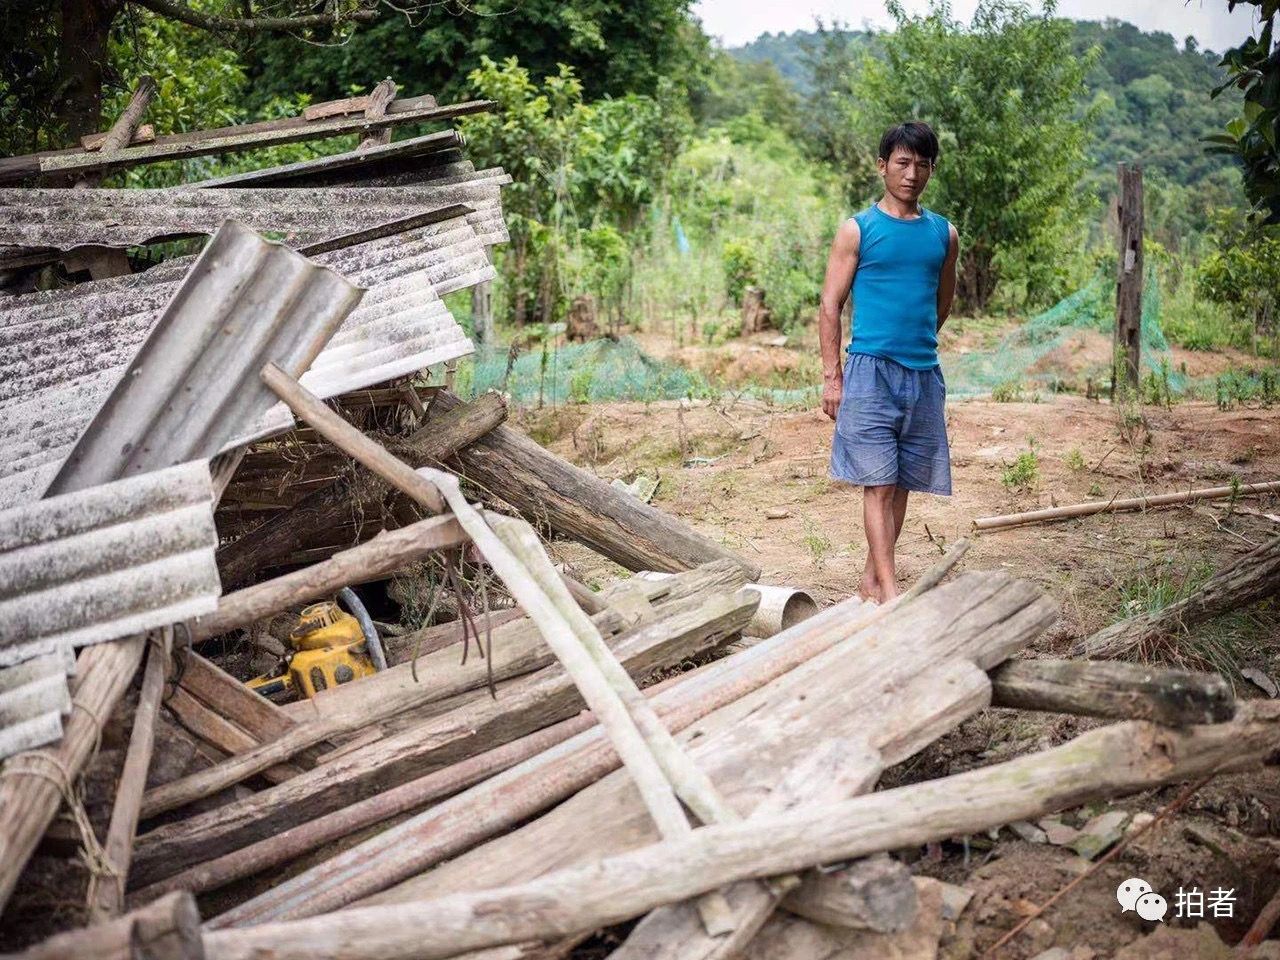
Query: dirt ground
(755, 478)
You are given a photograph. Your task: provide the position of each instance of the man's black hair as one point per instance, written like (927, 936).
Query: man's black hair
(913, 135)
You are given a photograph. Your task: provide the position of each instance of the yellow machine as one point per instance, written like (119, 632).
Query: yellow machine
(329, 649)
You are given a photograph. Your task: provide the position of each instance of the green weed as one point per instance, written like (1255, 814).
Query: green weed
(818, 545)
(1024, 472)
(1011, 392)
(1074, 460)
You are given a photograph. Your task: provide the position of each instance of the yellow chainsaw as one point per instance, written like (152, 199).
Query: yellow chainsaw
(330, 647)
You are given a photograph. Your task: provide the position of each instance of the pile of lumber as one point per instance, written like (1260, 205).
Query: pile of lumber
(548, 760)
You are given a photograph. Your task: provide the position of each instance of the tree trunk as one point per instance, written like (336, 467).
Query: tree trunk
(82, 58)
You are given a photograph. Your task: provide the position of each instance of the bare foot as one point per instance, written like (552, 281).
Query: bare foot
(868, 589)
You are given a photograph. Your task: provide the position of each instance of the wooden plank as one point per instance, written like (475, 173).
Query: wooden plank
(214, 729)
(336, 108)
(234, 139)
(376, 107)
(231, 699)
(94, 141)
(1123, 758)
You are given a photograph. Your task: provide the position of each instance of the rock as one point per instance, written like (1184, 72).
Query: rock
(1139, 821)
(1261, 681)
(1100, 833)
(1029, 832)
(1057, 832)
(1178, 943)
(777, 513)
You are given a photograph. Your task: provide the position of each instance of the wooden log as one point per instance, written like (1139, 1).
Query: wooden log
(32, 783)
(168, 929)
(930, 704)
(231, 699)
(524, 705)
(547, 489)
(402, 648)
(436, 440)
(381, 97)
(794, 687)
(516, 650)
(146, 133)
(1127, 342)
(1252, 577)
(106, 894)
(1122, 758)
(1120, 691)
(389, 551)
(373, 810)
(853, 689)
(1118, 506)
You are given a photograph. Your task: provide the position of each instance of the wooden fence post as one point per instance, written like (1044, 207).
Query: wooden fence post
(1127, 344)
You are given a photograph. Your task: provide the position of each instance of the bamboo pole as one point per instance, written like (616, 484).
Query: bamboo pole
(106, 893)
(1118, 506)
(1119, 759)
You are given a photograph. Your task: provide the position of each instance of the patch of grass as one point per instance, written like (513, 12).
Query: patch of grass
(1011, 391)
(818, 545)
(1074, 460)
(1095, 489)
(1238, 387)
(1024, 472)
(1221, 645)
(1156, 388)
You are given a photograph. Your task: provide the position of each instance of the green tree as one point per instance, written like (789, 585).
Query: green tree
(1243, 274)
(1003, 95)
(1254, 136)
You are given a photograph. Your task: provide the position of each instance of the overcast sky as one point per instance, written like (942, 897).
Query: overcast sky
(737, 22)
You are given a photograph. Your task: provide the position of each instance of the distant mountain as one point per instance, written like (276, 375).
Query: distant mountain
(1153, 90)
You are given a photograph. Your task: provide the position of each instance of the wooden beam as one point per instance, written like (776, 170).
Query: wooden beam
(379, 100)
(229, 140)
(1120, 759)
(144, 134)
(106, 893)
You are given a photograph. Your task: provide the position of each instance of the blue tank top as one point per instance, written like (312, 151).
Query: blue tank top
(895, 287)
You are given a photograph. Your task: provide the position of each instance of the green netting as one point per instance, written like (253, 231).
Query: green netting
(1020, 361)
(597, 371)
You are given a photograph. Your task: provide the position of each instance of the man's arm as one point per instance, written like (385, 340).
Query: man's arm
(841, 265)
(947, 281)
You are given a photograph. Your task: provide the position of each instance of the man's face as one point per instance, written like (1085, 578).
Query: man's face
(905, 174)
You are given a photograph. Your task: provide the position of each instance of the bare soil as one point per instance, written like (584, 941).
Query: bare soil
(755, 478)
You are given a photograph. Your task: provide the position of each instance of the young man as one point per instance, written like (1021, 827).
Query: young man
(899, 262)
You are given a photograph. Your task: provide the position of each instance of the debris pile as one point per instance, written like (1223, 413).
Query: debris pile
(230, 440)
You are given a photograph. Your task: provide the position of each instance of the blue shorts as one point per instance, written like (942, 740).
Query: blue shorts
(891, 427)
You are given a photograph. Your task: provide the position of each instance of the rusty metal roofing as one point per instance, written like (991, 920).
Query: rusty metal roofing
(33, 700)
(107, 562)
(61, 352)
(194, 383)
(65, 219)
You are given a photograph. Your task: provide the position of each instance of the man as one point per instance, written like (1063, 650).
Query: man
(899, 262)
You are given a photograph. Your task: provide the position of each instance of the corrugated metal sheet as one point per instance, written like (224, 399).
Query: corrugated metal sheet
(61, 352)
(66, 219)
(33, 700)
(194, 383)
(106, 562)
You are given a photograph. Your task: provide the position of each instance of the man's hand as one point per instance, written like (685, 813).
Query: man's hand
(832, 390)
